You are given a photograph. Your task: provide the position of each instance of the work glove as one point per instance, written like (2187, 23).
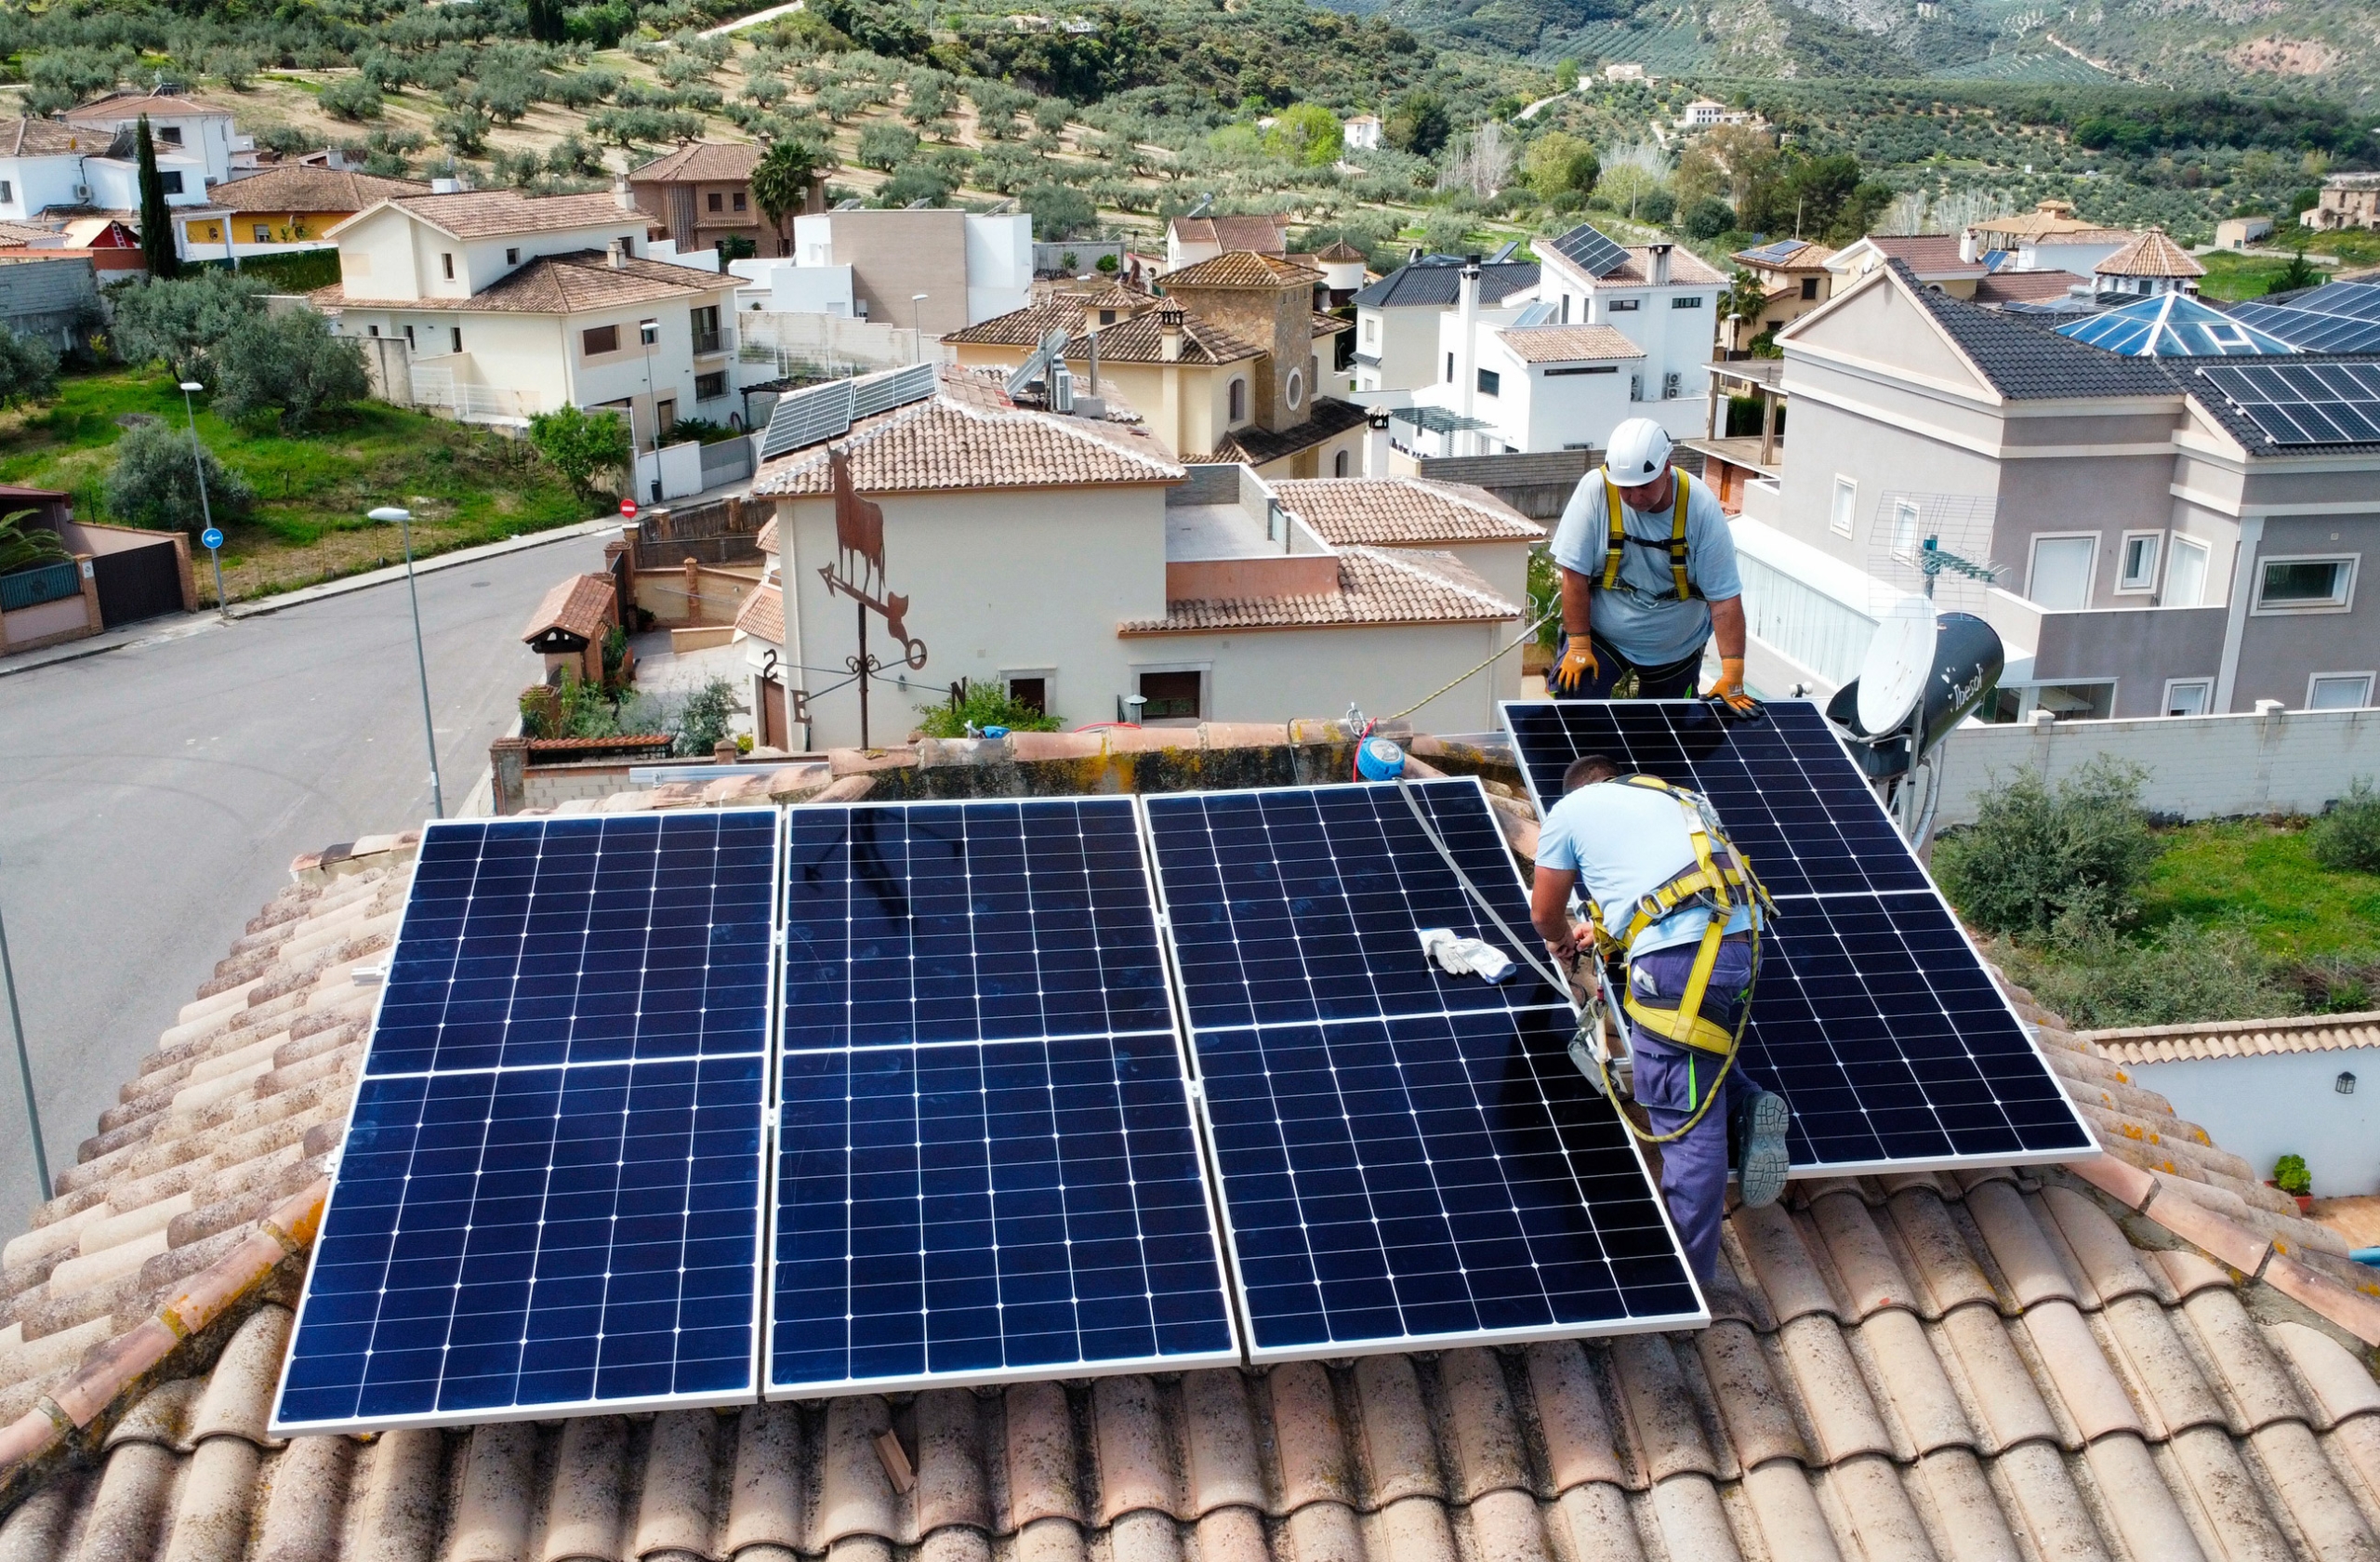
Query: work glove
(1730, 687)
(1578, 665)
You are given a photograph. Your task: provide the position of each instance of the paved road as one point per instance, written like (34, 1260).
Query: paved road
(151, 799)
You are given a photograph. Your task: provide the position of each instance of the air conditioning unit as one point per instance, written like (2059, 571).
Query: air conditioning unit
(81, 192)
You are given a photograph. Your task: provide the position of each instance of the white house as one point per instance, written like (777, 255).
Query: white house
(510, 304)
(64, 165)
(1071, 558)
(1659, 297)
(1527, 385)
(1397, 318)
(970, 268)
(1702, 114)
(180, 125)
(41, 166)
(1361, 133)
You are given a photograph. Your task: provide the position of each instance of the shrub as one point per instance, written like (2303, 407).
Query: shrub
(351, 97)
(2347, 836)
(2183, 975)
(705, 718)
(28, 368)
(2036, 858)
(1707, 218)
(182, 320)
(986, 704)
(290, 366)
(2290, 1175)
(885, 146)
(701, 429)
(915, 182)
(1560, 164)
(155, 482)
(579, 445)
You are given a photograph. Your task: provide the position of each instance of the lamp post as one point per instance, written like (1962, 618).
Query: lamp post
(24, 1065)
(198, 464)
(917, 330)
(403, 518)
(648, 331)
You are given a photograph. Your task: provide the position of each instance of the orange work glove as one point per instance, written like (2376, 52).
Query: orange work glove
(1730, 687)
(1578, 665)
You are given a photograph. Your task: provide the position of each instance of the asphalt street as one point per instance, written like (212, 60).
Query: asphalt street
(151, 799)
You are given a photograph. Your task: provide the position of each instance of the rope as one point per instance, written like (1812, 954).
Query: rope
(1493, 658)
(1589, 1015)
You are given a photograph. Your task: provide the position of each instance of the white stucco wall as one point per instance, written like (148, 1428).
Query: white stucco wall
(999, 265)
(2261, 1108)
(36, 182)
(1274, 675)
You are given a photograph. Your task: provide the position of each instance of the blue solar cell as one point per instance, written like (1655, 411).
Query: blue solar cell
(1302, 903)
(1791, 801)
(967, 1213)
(558, 1238)
(1393, 1182)
(969, 921)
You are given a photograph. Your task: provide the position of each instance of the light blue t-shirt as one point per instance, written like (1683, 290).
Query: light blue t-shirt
(1648, 631)
(1624, 842)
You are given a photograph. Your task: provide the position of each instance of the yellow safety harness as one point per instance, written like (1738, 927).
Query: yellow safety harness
(1682, 588)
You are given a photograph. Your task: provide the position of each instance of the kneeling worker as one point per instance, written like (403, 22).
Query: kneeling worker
(1649, 578)
(1665, 888)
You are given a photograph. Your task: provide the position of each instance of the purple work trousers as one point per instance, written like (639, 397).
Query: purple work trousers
(1673, 1080)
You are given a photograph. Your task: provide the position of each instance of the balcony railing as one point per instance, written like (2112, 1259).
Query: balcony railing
(708, 342)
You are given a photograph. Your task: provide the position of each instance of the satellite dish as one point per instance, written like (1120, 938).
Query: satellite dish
(1892, 678)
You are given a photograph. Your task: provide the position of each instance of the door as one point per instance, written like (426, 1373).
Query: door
(2061, 577)
(138, 583)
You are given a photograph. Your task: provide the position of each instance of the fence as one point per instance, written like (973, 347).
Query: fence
(1537, 484)
(44, 583)
(728, 461)
(825, 345)
(721, 532)
(440, 392)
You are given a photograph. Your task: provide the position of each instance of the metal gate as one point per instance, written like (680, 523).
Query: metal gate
(139, 583)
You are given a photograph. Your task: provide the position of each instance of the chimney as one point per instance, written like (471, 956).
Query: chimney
(445, 185)
(622, 196)
(1661, 253)
(616, 256)
(1376, 444)
(1967, 247)
(1168, 332)
(1467, 326)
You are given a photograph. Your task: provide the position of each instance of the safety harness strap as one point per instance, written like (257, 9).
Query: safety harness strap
(1680, 588)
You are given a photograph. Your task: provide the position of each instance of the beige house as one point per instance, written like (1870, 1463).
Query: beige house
(701, 193)
(1189, 240)
(1795, 279)
(509, 305)
(2348, 201)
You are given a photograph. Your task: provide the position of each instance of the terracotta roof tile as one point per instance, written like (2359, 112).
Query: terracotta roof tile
(1376, 586)
(1932, 256)
(1399, 511)
(1142, 341)
(2024, 287)
(479, 214)
(2150, 255)
(581, 605)
(2301, 1033)
(584, 279)
(301, 187)
(762, 614)
(1240, 267)
(1022, 327)
(1686, 270)
(1267, 235)
(1567, 344)
(129, 106)
(702, 162)
(1339, 252)
(28, 137)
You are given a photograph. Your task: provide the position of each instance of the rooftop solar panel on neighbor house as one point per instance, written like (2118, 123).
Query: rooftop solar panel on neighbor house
(1407, 1157)
(1873, 1016)
(987, 1167)
(1586, 247)
(2305, 403)
(549, 1198)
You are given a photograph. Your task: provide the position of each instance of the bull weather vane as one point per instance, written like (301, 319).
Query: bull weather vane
(859, 541)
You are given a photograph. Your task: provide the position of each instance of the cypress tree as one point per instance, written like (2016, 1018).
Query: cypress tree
(156, 221)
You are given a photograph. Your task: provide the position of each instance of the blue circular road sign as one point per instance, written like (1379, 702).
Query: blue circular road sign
(211, 537)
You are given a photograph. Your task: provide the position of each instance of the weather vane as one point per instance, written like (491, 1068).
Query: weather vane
(859, 540)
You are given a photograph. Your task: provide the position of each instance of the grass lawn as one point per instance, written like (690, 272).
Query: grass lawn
(2265, 872)
(463, 485)
(2233, 277)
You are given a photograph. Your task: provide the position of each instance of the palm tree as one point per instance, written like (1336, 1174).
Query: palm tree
(23, 547)
(781, 182)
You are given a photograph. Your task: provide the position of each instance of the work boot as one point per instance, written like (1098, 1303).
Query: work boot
(1759, 1146)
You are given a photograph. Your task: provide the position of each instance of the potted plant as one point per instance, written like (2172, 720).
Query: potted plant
(2289, 1174)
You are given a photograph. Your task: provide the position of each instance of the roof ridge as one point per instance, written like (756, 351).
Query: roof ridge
(1410, 561)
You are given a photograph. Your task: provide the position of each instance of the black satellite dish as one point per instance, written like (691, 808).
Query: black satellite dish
(1923, 674)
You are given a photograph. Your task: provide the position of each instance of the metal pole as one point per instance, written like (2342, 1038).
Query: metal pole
(24, 1065)
(403, 518)
(863, 676)
(198, 464)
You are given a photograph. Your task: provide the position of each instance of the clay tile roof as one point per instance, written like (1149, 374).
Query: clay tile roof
(969, 436)
(1686, 270)
(2152, 254)
(719, 162)
(1567, 344)
(1400, 512)
(302, 187)
(1267, 235)
(1023, 327)
(129, 106)
(482, 214)
(584, 279)
(1142, 341)
(762, 614)
(2147, 1356)
(1241, 267)
(1932, 256)
(44, 137)
(2302, 1033)
(1339, 252)
(1376, 586)
(2024, 287)
(582, 606)
(1115, 296)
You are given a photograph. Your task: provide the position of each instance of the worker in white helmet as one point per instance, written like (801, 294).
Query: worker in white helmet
(1648, 578)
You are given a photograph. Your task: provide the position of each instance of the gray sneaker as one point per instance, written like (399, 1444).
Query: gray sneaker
(1760, 1147)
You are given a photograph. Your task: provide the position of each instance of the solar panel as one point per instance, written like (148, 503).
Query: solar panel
(803, 417)
(2312, 330)
(1407, 1158)
(549, 1198)
(1873, 1016)
(2305, 403)
(1588, 249)
(883, 392)
(988, 1166)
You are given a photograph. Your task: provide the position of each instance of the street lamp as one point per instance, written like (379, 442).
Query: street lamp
(198, 464)
(403, 518)
(24, 1067)
(917, 330)
(648, 331)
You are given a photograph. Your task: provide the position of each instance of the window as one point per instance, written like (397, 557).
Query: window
(2188, 696)
(1809, 287)
(1566, 310)
(1031, 692)
(1490, 383)
(1295, 389)
(598, 339)
(1237, 398)
(716, 203)
(666, 412)
(2185, 576)
(8, 191)
(1339, 465)
(1621, 306)
(710, 387)
(1371, 331)
(2062, 569)
(373, 330)
(1905, 524)
(1582, 369)
(738, 204)
(1693, 300)
(170, 183)
(263, 232)
(446, 266)
(409, 344)
(512, 257)
(2078, 702)
(170, 133)
(2338, 691)
(1170, 695)
(1449, 368)
(1846, 508)
(2306, 585)
(2137, 570)
(648, 331)
(454, 337)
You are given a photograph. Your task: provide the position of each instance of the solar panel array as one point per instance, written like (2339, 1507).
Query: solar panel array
(986, 1163)
(2336, 317)
(1407, 1157)
(549, 1193)
(803, 418)
(1872, 1015)
(1586, 247)
(2305, 403)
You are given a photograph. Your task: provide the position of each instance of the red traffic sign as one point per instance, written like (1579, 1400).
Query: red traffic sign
(628, 509)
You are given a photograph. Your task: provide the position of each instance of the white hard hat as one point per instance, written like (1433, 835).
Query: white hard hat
(1640, 448)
